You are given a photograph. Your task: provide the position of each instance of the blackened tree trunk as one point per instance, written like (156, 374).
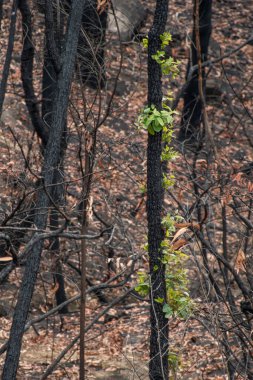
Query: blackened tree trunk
(51, 161)
(22, 216)
(158, 367)
(91, 45)
(60, 294)
(27, 58)
(8, 56)
(1, 12)
(52, 49)
(192, 111)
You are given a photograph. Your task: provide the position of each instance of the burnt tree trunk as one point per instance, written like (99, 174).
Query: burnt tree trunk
(51, 161)
(158, 366)
(24, 217)
(6, 67)
(1, 12)
(192, 111)
(52, 49)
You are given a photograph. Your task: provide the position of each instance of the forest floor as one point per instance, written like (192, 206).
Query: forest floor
(117, 346)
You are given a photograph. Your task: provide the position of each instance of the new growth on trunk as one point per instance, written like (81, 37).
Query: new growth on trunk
(158, 366)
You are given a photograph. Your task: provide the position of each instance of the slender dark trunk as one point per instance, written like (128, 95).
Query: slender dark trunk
(192, 111)
(51, 161)
(8, 56)
(48, 87)
(1, 12)
(53, 43)
(60, 294)
(51, 62)
(27, 58)
(158, 366)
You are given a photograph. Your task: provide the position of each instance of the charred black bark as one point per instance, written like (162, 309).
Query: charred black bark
(57, 197)
(158, 366)
(27, 57)
(24, 219)
(1, 12)
(51, 69)
(51, 161)
(91, 43)
(192, 111)
(60, 294)
(8, 56)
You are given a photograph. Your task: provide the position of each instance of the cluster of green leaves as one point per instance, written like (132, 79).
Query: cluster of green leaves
(168, 223)
(179, 301)
(165, 38)
(168, 180)
(168, 65)
(145, 42)
(154, 120)
(174, 361)
(143, 286)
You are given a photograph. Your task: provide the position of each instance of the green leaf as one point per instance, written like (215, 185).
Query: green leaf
(149, 120)
(160, 121)
(151, 130)
(157, 128)
(159, 300)
(142, 289)
(167, 310)
(156, 112)
(145, 42)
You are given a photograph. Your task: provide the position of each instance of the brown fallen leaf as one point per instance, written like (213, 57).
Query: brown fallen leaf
(179, 244)
(187, 224)
(240, 261)
(179, 233)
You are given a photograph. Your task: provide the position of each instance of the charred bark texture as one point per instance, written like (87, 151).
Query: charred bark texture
(51, 70)
(8, 56)
(51, 161)
(60, 294)
(27, 57)
(91, 43)
(158, 367)
(192, 111)
(1, 12)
